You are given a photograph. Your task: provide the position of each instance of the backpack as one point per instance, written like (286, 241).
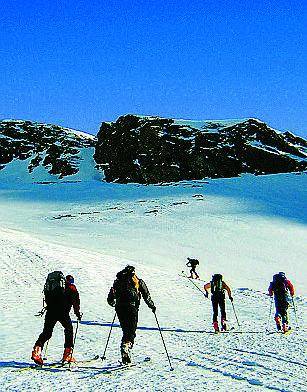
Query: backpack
(193, 262)
(125, 290)
(54, 288)
(279, 284)
(217, 284)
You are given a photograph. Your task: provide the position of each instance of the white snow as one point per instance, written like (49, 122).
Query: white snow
(246, 228)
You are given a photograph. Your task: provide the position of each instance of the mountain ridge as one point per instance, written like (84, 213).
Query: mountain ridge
(150, 149)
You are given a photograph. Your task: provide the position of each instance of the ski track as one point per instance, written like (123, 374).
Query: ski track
(234, 362)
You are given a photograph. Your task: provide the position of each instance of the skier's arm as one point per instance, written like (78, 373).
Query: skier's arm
(227, 288)
(145, 294)
(270, 289)
(188, 264)
(290, 287)
(75, 299)
(111, 297)
(207, 286)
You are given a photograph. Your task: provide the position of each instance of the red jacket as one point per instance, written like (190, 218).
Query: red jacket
(73, 298)
(288, 286)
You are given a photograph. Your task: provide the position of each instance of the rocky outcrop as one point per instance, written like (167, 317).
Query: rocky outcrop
(153, 149)
(56, 149)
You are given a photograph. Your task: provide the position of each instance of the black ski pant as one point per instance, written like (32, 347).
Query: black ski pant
(218, 301)
(51, 319)
(282, 310)
(193, 272)
(128, 319)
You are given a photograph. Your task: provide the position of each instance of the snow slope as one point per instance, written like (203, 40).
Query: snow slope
(246, 228)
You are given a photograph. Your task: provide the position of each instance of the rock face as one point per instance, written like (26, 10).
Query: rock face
(56, 149)
(152, 149)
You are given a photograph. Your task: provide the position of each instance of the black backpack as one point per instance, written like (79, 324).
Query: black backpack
(217, 284)
(125, 290)
(54, 288)
(279, 284)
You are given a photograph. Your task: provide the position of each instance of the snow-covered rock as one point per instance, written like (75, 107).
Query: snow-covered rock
(32, 151)
(153, 149)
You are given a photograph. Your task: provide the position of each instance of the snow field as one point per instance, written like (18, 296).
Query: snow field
(247, 228)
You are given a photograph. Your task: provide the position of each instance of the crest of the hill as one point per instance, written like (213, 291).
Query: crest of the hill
(153, 149)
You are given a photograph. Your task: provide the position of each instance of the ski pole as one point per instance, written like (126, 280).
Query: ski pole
(171, 367)
(294, 308)
(105, 349)
(234, 311)
(267, 324)
(197, 286)
(72, 351)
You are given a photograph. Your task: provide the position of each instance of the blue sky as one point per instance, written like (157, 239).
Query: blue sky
(77, 63)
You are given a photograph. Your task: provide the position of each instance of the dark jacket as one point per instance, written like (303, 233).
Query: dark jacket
(64, 303)
(126, 293)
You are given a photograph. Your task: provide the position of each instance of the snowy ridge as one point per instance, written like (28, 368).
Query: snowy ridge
(44, 152)
(147, 149)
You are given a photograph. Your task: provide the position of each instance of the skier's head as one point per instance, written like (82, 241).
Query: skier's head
(127, 272)
(282, 274)
(69, 279)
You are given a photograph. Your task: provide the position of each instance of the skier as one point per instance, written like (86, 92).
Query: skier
(60, 295)
(218, 287)
(281, 287)
(192, 263)
(125, 295)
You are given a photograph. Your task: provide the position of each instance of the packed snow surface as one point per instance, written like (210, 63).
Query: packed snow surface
(245, 228)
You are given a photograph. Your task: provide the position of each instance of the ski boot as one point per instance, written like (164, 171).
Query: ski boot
(37, 355)
(125, 353)
(278, 323)
(216, 327)
(285, 328)
(67, 355)
(224, 325)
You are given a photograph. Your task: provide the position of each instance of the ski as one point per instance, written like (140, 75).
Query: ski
(290, 330)
(188, 277)
(116, 368)
(59, 364)
(230, 330)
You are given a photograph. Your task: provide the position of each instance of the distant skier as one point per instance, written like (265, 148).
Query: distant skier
(281, 287)
(125, 295)
(218, 287)
(192, 263)
(60, 295)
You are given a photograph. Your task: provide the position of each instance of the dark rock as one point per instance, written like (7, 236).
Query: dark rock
(154, 150)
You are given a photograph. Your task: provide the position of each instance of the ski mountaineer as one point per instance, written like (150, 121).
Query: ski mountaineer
(192, 263)
(281, 287)
(60, 295)
(218, 287)
(125, 295)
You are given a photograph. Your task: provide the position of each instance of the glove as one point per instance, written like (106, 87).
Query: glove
(153, 309)
(206, 294)
(231, 299)
(79, 316)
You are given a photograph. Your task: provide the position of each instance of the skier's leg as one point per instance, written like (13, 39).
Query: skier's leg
(277, 316)
(49, 324)
(128, 318)
(50, 321)
(214, 301)
(223, 313)
(66, 322)
(284, 317)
